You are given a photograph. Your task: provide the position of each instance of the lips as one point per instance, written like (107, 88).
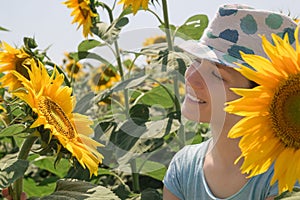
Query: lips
(195, 99)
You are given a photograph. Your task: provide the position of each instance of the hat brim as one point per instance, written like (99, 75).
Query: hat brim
(203, 51)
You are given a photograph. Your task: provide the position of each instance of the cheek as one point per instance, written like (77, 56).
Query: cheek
(231, 95)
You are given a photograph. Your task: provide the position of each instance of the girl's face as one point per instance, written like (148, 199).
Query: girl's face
(208, 88)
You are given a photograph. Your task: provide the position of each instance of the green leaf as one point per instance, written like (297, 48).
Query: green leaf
(193, 28)
(127, 135)
(122, 22)
(3, 29)
(30, 43)
(127, 84)
(157, 96)
(32, 189)
(88, 44)
(150, 168)
(84, 103)
(11, 169)
(79, 190)
(150, 194)
(88, 55)
(47, 163)
(139, 113)
(294, 195)
(133, 139)
(12, 130)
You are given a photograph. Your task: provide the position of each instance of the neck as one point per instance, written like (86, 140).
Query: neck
(224, 149)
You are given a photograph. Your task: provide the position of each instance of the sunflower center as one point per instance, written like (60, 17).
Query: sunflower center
(74, 68)
(99, 79)
(56, 117)
(83, 10)
(285, 111)
(19, 64)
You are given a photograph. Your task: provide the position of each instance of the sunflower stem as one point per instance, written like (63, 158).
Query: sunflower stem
(167, 25)
(23, 155)
(135, 176)
(118, 57)
(176, 75)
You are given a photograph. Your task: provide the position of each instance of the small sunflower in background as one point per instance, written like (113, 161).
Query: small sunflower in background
(83, 14)
(134, 4)
(12, 59)
(53, 103)
(2, 108)
(103, 78)
(153, 40)
(74, 69)
(270, 129)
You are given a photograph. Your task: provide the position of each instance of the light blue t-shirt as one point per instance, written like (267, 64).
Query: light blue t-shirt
(185, 178)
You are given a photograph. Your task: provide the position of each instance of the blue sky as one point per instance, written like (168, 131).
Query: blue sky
(49, 21)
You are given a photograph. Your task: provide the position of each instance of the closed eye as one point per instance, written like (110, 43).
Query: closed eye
(217, 75)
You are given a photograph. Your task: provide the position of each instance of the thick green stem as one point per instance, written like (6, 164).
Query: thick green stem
(176, 78)
(23, 155)
(167, 25)
(118, 57)
(135, 177)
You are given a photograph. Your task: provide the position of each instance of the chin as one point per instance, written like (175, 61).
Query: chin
(193, 115)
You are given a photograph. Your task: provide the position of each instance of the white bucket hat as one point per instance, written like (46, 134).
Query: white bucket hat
(238, 28)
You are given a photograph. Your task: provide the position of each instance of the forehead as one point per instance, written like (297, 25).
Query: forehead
(218, 65)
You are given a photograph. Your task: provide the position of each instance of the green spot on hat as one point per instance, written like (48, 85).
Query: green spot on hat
(274, 21)
(248, 24)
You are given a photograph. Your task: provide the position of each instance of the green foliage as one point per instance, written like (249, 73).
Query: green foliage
(11, 169)
(79, 190)
(193, 27)
(12, 130)
(137, 117)
(294, 195)
(3, 29)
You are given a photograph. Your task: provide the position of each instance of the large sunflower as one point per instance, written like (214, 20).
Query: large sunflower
(270, 129)
(12, 59)
(54, 105)
(135, 4)
(82, 13)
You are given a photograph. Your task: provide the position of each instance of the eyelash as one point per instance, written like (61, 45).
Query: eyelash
(217, 76)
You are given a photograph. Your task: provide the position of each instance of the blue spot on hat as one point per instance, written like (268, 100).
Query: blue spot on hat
(234, 51)
(230, 35)
(229, 58)
(211, 35)
(274, 21)
(249, 66)
(290, 32)
(248, 24)
(227, 12)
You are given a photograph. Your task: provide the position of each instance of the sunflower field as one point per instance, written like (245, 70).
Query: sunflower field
(95, 127)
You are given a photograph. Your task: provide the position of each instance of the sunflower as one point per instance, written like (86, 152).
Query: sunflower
(135, 4)
(153, 40)
(12, 59)
(83, 14)
(74, 69)
(2, 108)
(270, 129)
(104, 78)
(53, 104)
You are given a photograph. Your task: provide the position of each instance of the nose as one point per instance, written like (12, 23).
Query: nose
(193, 77)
